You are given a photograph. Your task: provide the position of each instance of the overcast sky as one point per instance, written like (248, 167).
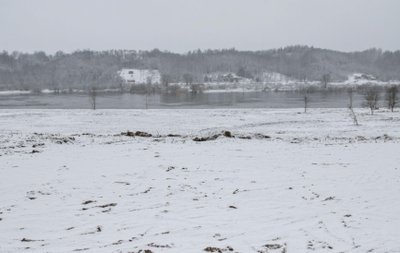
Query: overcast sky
(182, 25)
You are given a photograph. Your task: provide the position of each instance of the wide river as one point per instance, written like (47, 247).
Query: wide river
(165, 101)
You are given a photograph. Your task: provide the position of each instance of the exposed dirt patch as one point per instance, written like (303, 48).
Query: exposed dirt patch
(137, 133)
(209, 138)
(158, 245)
(227, 134)
(30, 240)
(219, 250)
(87, 202)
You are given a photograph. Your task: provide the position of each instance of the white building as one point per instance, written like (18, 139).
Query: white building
(222, 77)
(362, 79)
(140, 76)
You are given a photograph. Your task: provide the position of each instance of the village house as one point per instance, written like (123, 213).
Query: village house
(131, 77)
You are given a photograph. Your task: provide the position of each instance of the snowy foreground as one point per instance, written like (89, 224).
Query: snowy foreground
(284, 182)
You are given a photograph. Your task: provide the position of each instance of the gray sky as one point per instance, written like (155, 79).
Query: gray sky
(182, 25)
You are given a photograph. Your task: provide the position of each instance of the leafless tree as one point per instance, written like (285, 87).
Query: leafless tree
(188, 79)
(352, 113)
(93, 97)
(353, 116)
(391, 96)
(166, 79)
(196, 88)
(94, 77)
(148, 85)
(326, 78)
(350, 93)
(371, 98)
(306, 100)
(54, 83)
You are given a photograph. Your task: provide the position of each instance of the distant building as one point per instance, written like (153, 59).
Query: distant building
(139, 76)
(361, 79)
(362, 76)
(223, 77)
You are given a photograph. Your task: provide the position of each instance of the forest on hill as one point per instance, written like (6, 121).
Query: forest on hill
(83, 68)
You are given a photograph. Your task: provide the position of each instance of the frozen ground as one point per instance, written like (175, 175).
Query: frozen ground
(286, 182)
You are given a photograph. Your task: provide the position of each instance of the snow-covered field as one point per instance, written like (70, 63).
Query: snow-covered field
(284, 182)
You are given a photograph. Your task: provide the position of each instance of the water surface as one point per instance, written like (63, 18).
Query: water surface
(287, 99)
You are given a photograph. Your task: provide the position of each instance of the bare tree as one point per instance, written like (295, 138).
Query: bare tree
(196, 88)
(352, 113)
(54, 83)
(166, 79)
(353, 116)
(350, 93)
(391, 96)
(93, 97)
(188, 79)
(306, 100)
(94, 77)
(148, 85)
(371, 98)
(326, 78)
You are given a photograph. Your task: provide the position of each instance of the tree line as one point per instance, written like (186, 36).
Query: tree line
(84, 68)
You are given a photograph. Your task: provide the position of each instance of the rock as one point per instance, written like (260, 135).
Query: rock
(88, 202)
(227, 134)
(142, 134)
(129, 133)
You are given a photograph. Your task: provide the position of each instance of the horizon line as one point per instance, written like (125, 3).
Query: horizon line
(193, 51)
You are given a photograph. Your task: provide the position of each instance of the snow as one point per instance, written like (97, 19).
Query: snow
(233, 90)
(277, 78)
(14, 92)
(318, 184)
(47, 91)
(277, 81)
